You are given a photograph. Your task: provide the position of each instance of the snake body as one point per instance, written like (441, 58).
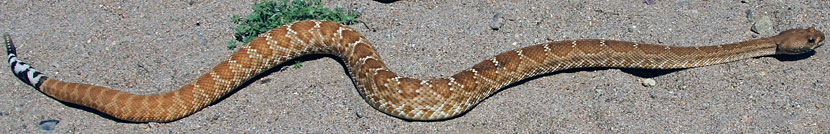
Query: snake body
(403, 97)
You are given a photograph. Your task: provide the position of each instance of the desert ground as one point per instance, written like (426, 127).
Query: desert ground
(155, 47)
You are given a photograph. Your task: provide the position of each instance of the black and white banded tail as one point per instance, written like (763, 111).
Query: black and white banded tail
(23, 71)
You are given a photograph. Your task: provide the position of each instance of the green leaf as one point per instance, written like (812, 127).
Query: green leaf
(270, 14)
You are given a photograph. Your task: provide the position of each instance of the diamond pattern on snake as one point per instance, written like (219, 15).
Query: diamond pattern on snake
(399, 96)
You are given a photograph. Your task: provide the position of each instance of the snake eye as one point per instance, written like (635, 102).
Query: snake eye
(811, 40)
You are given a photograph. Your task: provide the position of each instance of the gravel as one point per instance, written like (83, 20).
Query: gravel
(155, 47)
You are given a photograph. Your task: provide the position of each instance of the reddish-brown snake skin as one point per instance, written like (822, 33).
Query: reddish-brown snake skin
(399, 96)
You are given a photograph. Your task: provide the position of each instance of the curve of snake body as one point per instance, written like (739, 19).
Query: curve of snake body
(403, 97)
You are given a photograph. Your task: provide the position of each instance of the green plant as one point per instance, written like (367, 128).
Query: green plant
(271, 14)
(231, 44)
(297, 65)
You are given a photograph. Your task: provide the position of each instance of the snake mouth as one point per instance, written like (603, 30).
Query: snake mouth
(796, 50)
(818, 44)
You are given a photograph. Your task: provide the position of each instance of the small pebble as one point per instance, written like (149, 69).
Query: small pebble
(47, 124)
(746, 119)
(497, 21)
(358, 114)
(632, 28)
(153, 125)
(750, 15)
(359, 11)
(575, 1)
(682, 3)
(649, 82)
(649, 2)
(763, 26)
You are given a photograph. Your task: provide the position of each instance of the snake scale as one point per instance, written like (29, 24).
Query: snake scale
(402, 97)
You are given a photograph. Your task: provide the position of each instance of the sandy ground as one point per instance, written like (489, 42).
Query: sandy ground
(154, 47)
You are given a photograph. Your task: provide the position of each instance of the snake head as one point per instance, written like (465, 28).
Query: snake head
(797, 41)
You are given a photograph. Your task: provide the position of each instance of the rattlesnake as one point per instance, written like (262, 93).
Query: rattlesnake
(403, 97)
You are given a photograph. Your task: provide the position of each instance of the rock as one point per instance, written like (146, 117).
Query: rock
(750, 15)
(763, 26)
(682, 3)
(497, 21)
(649, 82)
(358, 114)
(649, 2)
(575, 1)
(47, 125)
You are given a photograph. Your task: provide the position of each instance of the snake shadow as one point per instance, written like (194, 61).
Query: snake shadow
(90, 110)
(270, 71)
(645, 73)
(386, 1)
